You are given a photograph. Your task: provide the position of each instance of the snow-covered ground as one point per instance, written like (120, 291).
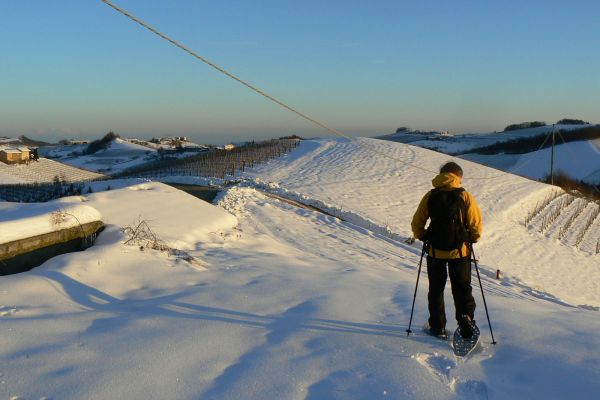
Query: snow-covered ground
(43, 171)
(462, 142)
(294, 304)
(580, 160)
(118, 156)
(372, 179)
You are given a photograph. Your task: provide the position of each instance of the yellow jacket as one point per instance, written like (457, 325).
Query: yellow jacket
(449, 181)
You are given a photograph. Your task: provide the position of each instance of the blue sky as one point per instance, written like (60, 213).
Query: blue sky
(76, 68)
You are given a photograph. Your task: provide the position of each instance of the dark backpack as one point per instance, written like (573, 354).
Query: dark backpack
(447, 210)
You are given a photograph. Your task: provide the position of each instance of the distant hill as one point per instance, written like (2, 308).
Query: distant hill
(524, 125)
(533, 143)
(22, 141)
(525, 151)
(31, 142)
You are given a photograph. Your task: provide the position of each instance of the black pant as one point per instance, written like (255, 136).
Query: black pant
(460, 280)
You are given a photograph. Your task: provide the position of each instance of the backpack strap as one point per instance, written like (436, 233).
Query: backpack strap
(463, 215)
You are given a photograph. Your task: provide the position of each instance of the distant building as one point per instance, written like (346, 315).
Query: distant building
(229, 146)
(14, 155)
(172, 140)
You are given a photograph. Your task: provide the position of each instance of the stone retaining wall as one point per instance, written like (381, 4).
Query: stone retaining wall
(24, 254)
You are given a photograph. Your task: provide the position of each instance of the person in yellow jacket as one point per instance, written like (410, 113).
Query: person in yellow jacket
(455, 221)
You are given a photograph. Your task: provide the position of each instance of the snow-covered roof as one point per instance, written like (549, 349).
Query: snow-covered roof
(10, 150)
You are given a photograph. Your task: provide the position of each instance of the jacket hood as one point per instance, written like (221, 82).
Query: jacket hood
(446, 180)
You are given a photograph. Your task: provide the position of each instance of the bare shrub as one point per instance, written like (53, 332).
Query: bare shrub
(587, 226)
(574, 215)
(141, 234)
(575, 187)
(540, 206)
(553, 215)
(58, 217)
(61, 216)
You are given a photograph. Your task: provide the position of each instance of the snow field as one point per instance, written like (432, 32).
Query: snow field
(118, 156)
(43, 171)
(580, 160)
(295, 304)
(179, 219)
(384, 190)
(470, 141)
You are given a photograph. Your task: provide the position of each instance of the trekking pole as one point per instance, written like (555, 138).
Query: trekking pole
(482, 295)
(408, 331)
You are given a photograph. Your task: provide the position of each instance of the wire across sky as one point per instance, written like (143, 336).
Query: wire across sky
(365, 68)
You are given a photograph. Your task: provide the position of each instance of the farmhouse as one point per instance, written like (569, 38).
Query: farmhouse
(14, 155)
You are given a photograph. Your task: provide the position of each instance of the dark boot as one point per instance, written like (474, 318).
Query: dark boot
(465, 326)
(440, 333)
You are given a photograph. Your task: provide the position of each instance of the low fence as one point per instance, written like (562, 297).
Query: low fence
(216, 163)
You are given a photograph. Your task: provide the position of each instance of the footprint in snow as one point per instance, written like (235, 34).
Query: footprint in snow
(441, 367)
(469, 389)
(438, 365)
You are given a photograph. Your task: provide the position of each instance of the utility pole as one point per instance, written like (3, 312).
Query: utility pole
(552, 159)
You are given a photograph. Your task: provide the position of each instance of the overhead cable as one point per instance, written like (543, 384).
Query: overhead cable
(275, 100)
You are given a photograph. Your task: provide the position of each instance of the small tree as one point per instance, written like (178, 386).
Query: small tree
(101, 144)
(572, 121)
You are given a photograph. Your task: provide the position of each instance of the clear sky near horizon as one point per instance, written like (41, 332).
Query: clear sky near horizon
(78, 69)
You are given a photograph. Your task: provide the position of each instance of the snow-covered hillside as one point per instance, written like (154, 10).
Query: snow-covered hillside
(119, 155)
(43, 171)
(463, 142)
(579, 160)
(384, 182)
(294, 304)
